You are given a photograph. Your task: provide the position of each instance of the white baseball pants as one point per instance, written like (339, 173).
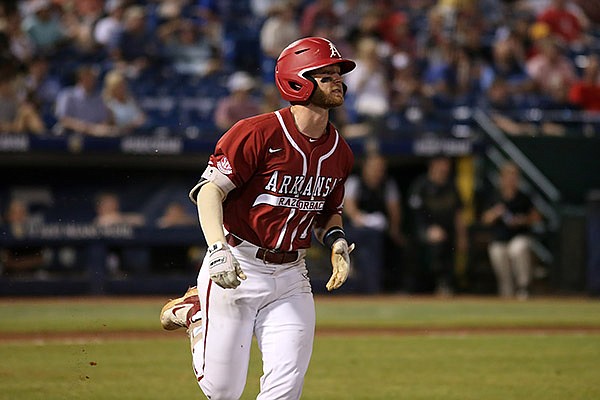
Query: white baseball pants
(276, 305)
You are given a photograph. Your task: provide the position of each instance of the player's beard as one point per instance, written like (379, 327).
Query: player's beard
(321, 99)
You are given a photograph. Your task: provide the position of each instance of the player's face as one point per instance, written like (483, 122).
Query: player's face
(329, 92)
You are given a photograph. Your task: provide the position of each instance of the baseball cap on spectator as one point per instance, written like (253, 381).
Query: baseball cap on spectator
(240, 81)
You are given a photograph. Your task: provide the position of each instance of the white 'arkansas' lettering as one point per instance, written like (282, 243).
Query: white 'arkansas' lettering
(297, 186)
(318, 186)
(308, 187)
(285, 183)
(328, 188)
(272, 185)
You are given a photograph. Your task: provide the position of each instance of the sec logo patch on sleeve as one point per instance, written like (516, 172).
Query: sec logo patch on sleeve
(224, 166)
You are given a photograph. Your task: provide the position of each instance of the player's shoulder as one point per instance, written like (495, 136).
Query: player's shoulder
(260, 120)
(261, 124)
(343, 146)
(343, 142)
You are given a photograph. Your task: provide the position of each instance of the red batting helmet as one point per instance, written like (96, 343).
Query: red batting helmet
(305, 55)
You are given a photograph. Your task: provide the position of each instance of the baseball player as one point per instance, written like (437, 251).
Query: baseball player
(272, 180)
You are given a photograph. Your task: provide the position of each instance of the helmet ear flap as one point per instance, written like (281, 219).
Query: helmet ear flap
(313, 83)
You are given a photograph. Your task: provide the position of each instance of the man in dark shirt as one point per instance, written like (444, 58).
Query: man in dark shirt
(438, 219)
(372, 205)
(510, 214)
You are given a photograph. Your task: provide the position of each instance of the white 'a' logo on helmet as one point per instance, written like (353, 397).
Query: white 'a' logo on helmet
(334, 51)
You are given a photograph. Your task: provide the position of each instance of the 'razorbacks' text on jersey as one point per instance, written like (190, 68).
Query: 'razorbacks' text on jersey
(277, 180)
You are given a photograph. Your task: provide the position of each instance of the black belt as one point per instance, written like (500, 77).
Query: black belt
(270, 256)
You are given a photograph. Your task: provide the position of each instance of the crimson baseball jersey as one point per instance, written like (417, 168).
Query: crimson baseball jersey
(277, 180)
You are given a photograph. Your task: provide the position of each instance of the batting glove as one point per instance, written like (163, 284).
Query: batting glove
(340, 261)
(223, 268)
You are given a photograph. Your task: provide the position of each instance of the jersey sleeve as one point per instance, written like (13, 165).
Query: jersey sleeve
(234, 160)
(335, 200)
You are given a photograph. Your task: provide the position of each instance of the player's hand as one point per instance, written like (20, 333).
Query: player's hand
(223, 268)
(340, 261)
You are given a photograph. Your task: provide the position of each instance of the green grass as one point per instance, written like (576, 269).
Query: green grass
(464, 312)
(344, 366)
(355, 367)
(101, 315)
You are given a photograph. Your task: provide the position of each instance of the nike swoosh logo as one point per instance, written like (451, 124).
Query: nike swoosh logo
(271, 150)
(312, 140)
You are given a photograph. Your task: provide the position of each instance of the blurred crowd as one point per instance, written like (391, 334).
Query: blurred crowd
(95, 66)
(116, 67)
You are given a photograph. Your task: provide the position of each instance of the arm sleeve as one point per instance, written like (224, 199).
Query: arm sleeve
(234, 160)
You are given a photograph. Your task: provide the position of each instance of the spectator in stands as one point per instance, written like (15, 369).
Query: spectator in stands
(551, 70)
(501, 103)
(38, 80)
(585, 93)
(394, 28)
(350, 14)
(439, 223)
(81, 108)
(279, 30)
(80, 20)
(511, 215)
(29, 118)
(366, 26)
(43, 24)
(564, 23)
(186, 48)
(126, 113)
(440, 75)
(27, 258)
(368, 85)
(137, 48)
(120, 259)
(508, 65)
(9, 103)
(175, 215)
(20, 44)
(263, 8)
(108, 212)
(372, 204)
(239, 104)
(209, 17)
(19, 111)
(317, 13)
(108, 28)
(409, 96)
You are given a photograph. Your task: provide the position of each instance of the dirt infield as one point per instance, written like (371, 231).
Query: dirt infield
(87, 337)
(551, 327)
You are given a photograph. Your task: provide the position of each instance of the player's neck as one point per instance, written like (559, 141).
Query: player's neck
(310, 120)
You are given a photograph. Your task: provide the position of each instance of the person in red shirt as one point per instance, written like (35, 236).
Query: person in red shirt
(272, 181)
(562, 21)
(585, 93)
